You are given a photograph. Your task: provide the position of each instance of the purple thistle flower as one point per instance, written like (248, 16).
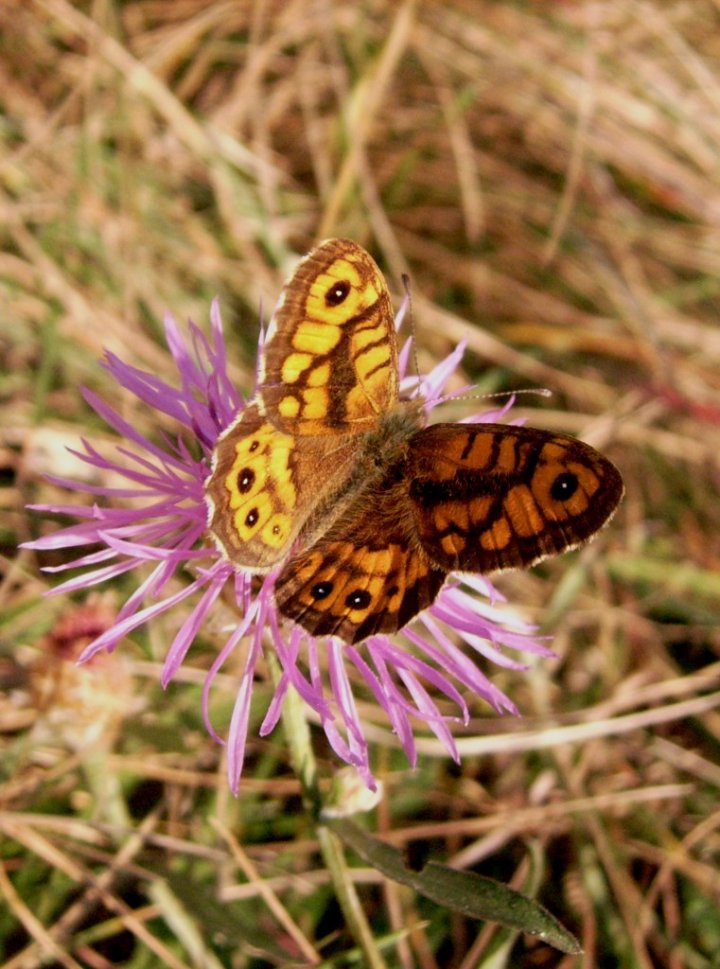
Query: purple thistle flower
(165, 525)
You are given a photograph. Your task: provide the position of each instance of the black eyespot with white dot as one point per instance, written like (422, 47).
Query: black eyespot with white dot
(321, 590)
(252, 517)
(254, 446)
(245, 480)
(358, 599)
(564, 486)
(337, 293)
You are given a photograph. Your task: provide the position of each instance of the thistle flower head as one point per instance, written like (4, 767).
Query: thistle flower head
(154, 515)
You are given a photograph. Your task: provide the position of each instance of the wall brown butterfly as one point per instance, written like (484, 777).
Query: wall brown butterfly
(332, 479)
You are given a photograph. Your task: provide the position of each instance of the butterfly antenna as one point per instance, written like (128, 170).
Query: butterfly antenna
(531, 391)
(261, 337)
(413, 334)
(509, 395)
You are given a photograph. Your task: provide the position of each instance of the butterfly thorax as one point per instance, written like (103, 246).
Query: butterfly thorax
(354, 469)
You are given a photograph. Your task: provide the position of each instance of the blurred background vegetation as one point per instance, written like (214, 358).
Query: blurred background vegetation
(548, 173)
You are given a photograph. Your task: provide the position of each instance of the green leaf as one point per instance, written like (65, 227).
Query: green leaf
(463, 891)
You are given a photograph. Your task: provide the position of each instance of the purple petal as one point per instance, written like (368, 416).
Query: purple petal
(434, 382)
(238, 633)
(188, 631)
(110, 638)
(237, 735)
(383, 690)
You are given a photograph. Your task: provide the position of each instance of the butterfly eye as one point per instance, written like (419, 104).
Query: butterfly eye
(564, 486)
(337, 293)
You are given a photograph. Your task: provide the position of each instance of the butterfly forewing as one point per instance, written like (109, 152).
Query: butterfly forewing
(330, 360)
(488, 497)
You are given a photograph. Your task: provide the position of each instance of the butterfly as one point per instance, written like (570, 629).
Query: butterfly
(333, 480)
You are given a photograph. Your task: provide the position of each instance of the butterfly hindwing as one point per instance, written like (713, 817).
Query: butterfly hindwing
(359, 580)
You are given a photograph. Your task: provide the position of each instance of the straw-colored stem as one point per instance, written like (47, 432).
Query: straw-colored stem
(299, 742)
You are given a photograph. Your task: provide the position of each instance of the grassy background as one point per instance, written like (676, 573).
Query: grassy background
(549, 176)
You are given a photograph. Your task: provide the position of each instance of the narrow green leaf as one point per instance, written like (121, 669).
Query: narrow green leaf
(463, 891)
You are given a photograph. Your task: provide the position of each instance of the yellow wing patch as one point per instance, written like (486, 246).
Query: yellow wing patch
(330, 361)
(251, 494)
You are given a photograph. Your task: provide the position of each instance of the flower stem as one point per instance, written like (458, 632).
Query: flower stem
(299, 742)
